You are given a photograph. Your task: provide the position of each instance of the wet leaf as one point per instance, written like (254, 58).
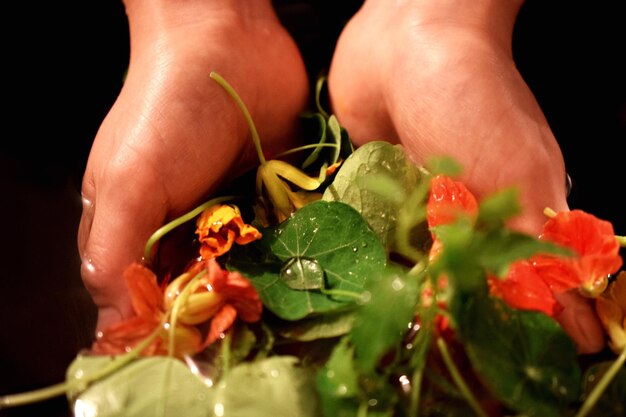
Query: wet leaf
(333, 236)
(374, 160)
(272, 387)
(318, 327)
(383, 321)
(612, 403)
(337, 382)
(524, 358)
(146, 387)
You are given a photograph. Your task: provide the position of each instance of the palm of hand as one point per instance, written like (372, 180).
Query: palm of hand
(449, 90)
(173, 136)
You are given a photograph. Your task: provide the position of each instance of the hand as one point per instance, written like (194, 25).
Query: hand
(439, 77)
(173, 135)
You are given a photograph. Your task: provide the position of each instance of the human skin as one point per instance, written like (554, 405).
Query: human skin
(173, 135)
(439, 78)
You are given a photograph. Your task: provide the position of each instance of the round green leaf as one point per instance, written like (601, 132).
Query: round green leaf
(323, 236)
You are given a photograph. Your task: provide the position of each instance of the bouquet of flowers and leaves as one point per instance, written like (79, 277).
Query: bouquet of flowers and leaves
(359, 284)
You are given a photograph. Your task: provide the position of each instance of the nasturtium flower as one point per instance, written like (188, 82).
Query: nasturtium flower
(447, 200)
(523, 288)
(596, 253)
(611, 309)
(273, 188)
(149, 307)
(219, 227)
(219, 295)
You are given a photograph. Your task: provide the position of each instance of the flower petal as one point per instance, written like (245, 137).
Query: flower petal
(220, 323)
(524, 289)
(611, 309)
(594, 242)
(146, 295)
(447, 199)
(219, 226)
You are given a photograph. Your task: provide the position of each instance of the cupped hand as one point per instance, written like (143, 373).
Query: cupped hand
(439, 77)
(173, 135)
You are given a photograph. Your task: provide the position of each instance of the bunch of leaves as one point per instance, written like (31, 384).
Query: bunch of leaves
(355, 319)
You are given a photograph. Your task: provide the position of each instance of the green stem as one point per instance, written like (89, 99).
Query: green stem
(621, 240)
(342, 293)
(226, 354)
(305, 147)
(362, 411)
(180, 300)
(163, 230)
(46, 393)
(30, 397)
(458, 379)
(601, 386)
(418, 268)
(416, 389)
(318, 89)
(233, 94)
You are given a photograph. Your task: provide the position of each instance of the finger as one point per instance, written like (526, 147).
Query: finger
(580, 321)
(116, 222)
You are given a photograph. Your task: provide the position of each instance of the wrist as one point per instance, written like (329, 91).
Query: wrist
(492, 20)
(149, 16)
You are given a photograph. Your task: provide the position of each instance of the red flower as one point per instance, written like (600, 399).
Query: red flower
(219, 296)
(595, 248)
(219, 226)
(523, 288)
(447, 200)
(149, 307)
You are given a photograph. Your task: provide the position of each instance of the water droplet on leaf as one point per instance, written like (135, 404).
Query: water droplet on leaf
(302, 273)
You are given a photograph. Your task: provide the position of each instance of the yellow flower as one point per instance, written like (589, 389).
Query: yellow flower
(219, 226)
(283, 201)
(611, 308)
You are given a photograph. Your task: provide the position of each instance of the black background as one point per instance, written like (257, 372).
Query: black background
(63, 67)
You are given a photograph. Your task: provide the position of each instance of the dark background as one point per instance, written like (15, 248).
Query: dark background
(64, 64)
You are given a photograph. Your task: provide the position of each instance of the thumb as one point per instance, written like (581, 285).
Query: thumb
(113, 231)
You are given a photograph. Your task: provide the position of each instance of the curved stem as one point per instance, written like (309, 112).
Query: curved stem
(52, 391)
(233, 94)
(318, 90)
(416, 389)
(458, 379)
(22, 398)
(342, 293)
(182, 299)
(163, 230)
(600, 387)
(305, 147)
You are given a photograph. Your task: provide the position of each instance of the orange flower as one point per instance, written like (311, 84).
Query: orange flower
(147, 301)
(447, 200)
(524, 289)
(219, 226)
(611, 308)
(596, 253)
(219, 296)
